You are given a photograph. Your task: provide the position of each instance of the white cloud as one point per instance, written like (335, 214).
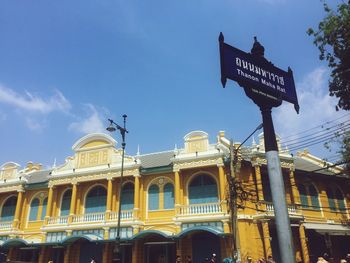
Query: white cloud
(316, 106)
(92, 123)
(33, 103)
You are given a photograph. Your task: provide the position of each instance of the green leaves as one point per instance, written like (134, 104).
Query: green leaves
(333, 41)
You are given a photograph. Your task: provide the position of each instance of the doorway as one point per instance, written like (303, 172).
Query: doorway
(205, 244)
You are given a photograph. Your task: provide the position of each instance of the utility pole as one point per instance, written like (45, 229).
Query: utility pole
(233, 200)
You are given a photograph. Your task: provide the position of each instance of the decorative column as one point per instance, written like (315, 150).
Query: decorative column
(136, 196)
(73, 202)
(42, 255)
(49, 204)
(177, 188)
(109, 197)
(222, 182)
(135, 252)
(105, 255)
(266, 237)
(303, 244)
(259, 182)
(18, 208)
(67, 254)
(295, 192)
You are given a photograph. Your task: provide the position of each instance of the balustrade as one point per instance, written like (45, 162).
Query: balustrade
(200, 209)
(90, 217)
(57, 220)
(292, 209)
(6, 225)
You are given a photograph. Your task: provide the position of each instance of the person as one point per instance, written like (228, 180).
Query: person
(270, 259)
(92, 260)
(178, 259)
(321, 260)
(249, 259)
(347, 258)
(213, 259)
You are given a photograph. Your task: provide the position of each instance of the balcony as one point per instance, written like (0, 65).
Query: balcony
(204, 211)
(293, 210)
(98, 218)
(6, 226)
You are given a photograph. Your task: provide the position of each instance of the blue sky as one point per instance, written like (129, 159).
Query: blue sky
(67, 66)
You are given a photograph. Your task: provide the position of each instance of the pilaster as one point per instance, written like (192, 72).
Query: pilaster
(303, 244)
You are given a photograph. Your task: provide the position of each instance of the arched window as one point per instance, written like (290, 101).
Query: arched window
(314, 197)
(127, 197)
(331, 199)
(168, 196)
(65, 204)
(203, 189)
(153, 197)
(303, 195)
(340, 200)
(96, 200)
(34, 209)
(43, 212)
(8, 209)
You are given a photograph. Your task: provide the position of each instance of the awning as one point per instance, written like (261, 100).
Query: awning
(212, 230)
(145, 233)
(330, 229)
(89, 237)
(14, 242)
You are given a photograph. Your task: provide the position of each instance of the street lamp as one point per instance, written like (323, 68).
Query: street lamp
(112, 128)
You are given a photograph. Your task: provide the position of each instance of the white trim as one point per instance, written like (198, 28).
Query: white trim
(92, 137)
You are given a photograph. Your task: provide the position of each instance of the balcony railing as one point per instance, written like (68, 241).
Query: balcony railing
(200, 209)
(90, 217)
(125, 214)
(58, 220)
(6, 225)
(292, 209)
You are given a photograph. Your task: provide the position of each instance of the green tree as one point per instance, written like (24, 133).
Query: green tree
(333, 41)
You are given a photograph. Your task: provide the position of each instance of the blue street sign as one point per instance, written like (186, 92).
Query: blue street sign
(257, 73)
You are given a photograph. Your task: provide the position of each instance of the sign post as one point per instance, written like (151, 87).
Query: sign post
(267, 86)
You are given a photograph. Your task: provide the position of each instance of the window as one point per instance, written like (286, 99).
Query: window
(153, 197)
(340, 200)
(335, 199)
(203, 189)
(127, 197)
(308, 196)
(303, 196)
(314, 197)
(96, 200)
(65, 204)
(34, 209)
(43, 213)
(168, 196)
(8, 209)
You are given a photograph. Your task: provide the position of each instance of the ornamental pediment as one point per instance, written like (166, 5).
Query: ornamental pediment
(9, 170)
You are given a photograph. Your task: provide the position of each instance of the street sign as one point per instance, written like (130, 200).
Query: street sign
(256, 72)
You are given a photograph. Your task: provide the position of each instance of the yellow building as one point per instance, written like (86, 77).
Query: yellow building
(174, 203)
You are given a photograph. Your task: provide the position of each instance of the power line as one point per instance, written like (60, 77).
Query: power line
(320, 125)
(332, 129)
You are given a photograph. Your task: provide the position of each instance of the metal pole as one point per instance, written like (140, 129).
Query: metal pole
(284, 233)
(233, 195)
(122, 130)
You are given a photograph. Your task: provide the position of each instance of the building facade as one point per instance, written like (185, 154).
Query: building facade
(173, 203)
